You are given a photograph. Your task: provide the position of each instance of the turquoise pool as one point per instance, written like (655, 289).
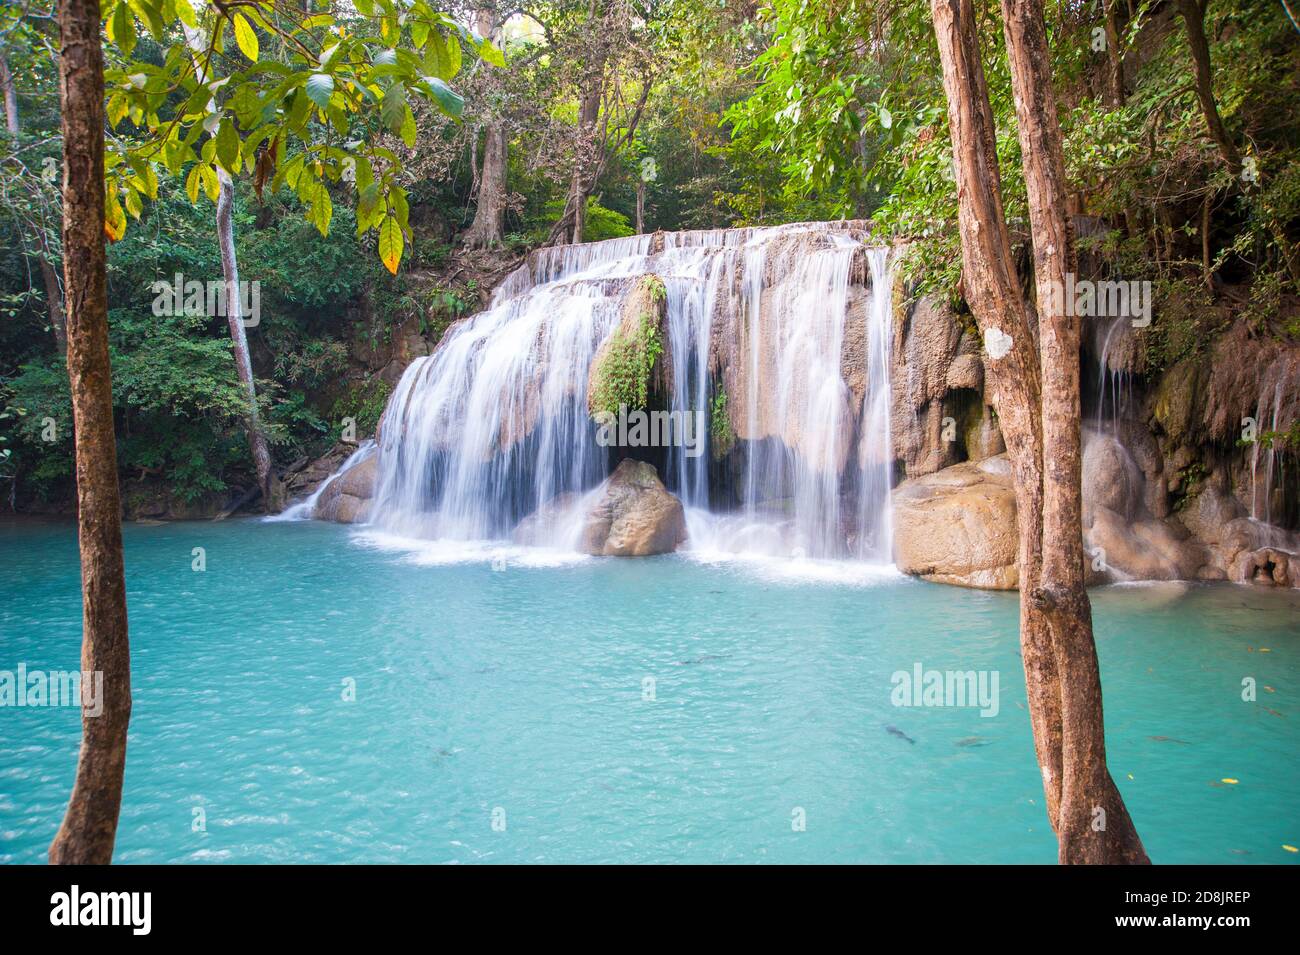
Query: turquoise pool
(520, 707)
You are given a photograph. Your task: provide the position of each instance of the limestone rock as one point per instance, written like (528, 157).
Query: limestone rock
(958, 526)
(346, 499)
(633, 515)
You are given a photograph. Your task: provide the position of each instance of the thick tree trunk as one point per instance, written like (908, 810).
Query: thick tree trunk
(243, 363)
(49, 277)
(90, 826)
(485, 231)
(1194, 19)
(1093, 825)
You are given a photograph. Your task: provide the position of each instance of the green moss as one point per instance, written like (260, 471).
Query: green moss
(623, 377)
(720, 430)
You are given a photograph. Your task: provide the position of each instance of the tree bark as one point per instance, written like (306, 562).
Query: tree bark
(993, 293)
(640, 207)
(243, 363)
(1114, 61)
(486, 230)
(89, 827)
(1036, 397)
(1194, 20)
(49, 277)
(1093, 825)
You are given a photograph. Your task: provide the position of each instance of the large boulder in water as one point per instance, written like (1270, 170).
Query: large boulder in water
(633, 515)
(346, 499)
(958, 526)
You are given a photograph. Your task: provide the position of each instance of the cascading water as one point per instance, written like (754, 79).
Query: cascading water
(876, 455)
(782, 333)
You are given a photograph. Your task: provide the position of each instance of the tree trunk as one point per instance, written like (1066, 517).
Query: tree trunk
(588, 160)
(90, 825)
(1194, 19)
(1114, 61)
(993, 292)
(485, 231)
(49, 277)
(640, 207)
(235, 319)
(1093, 825)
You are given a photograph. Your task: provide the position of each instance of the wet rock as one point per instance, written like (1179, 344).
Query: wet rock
(958, 526)
(346, 499)
(1111, 478)
(1267, 566)
(633, 515)
(1140, 550)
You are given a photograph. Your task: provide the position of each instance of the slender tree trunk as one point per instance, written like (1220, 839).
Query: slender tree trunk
(1093, 825)
(1194, 19)
(243, 363)
(993, 292)
(640, 206)
(486, 230)
(1114, 61)
(90, 826)
(588, 159)
(49, 277)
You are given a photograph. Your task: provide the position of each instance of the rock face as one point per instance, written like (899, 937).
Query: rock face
(958, 525)
(938, 416)
(346, 499)
(633, 515)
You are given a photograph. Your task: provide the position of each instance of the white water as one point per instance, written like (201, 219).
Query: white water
(494, 423)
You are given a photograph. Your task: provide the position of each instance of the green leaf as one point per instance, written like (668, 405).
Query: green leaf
(451, 102)
(393, 109)
(490, 54)
(245, 36)
(320, 87)
(228, 147)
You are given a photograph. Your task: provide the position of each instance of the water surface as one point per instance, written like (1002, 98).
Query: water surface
(520, 693)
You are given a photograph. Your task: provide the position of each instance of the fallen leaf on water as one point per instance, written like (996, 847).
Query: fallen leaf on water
(1229, 780)
(1290, 848)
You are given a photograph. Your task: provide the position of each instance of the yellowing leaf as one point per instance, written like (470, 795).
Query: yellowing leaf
(1229, 780)
(1290, 848)
(114, 217)
(390, 244)
(245, 36)
(192, 183)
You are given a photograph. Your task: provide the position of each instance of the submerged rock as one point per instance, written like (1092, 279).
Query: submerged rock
(633, 515)
(958, 526)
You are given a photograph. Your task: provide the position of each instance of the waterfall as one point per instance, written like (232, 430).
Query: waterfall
(782, 333)
(876, 457)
